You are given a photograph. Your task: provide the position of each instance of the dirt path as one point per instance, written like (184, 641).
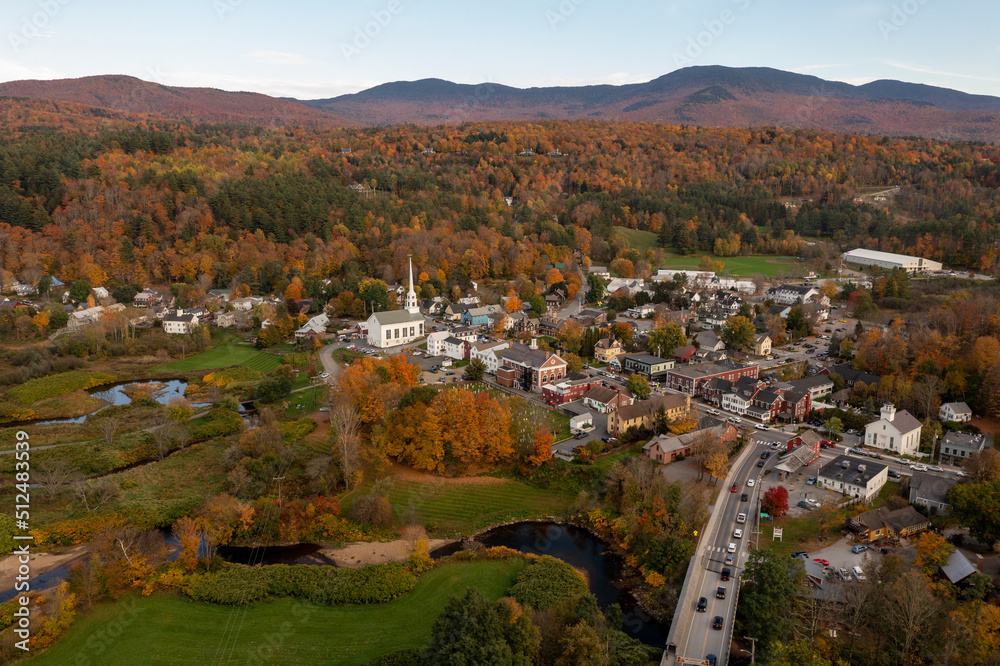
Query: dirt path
(40, 563)
(356, 555)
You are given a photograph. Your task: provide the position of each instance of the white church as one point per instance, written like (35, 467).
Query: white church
(397, 327)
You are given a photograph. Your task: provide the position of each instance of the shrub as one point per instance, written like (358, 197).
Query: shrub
(372, 510)
(238, 585)
(53, 385)
(229, 376)
(293, 431)
(547, 581)
(221, 422)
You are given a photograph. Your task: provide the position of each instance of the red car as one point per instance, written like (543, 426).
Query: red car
(825, 563)
(734, 488)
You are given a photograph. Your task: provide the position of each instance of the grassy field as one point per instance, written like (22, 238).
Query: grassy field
(226, 355)
(448, 508)
(167, 629)
(738, 266)
(638, 239)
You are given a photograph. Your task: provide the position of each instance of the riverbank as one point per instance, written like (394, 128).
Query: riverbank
(40, 563)
(363, 553)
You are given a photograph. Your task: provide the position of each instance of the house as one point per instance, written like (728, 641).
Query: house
(81, 319)
(501, 321)
(394, 327)
(435, 342)
(761, 344)
(894, 431)
(454, 311)
(524, 324)
(802, 455)
(232, 318)
(780, 310)
(315, 326)
(607, 349)
(795, 405)
(642, 414)
(692, 378)
(479, 316)
(179, 323)
(581, 421)
(647, 365)
(853, 477)
(668, 448)
(590, 317)
(881, 523)
(818, 385)
(603, 399)
(957, 568)
(641, 311)
(569, 389)
(684, 353)
(456, 348)
(146, 298)
(956, 447)
(600, 271)
(528, 369)
(931, 491)
(550, 324)
(850, 375)
(100, 293)
(957, 412)
(432, 307)
(709, 340)
(791, 294)
(555, 299)
(246, 303)
(708, 356)
(627, 286)
(487, 353)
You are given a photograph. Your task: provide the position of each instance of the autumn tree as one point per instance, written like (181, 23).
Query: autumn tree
(933, 551)
(189, 539)
(982, 466)
(662, 340)
(512, 303)
(476, 370)
(738, 333)
(638, 385)
(775, 501)
(345, 430)
(542, 447)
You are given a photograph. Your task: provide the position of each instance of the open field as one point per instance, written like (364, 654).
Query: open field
(638, 239)
(226, 355)
(168, 629)
(447, 508)
(738, 266)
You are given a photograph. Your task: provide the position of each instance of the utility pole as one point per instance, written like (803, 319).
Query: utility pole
(753, 649)
(279, 479)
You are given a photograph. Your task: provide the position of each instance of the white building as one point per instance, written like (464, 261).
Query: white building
(889, 260)
(315, 326)
(853, 477)
(895, 431)
(412, 305)
(393, 328)
(435, 343)
(631, 286)
(791, 294)
(100, 292)
(179, 323)
(736, 403)
(487, 353)
(456, 348)
(957, 412)
(246, 303)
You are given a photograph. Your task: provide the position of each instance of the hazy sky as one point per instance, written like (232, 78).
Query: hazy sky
(312, 49)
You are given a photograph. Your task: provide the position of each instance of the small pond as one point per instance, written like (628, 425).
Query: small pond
(116, 395)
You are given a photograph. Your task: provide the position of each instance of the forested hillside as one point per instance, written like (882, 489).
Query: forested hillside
(118, 201)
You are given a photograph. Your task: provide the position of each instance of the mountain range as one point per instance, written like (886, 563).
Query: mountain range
(705, 95)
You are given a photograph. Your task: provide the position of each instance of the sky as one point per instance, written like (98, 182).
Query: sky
(312, 49)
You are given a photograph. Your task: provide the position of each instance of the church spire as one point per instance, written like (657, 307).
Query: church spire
(411, 296)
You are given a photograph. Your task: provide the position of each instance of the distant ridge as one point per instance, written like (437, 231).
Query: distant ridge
(705, 95)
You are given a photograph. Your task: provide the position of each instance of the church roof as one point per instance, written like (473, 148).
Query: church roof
(395, 317)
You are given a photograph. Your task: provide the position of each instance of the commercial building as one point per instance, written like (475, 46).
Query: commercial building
(642, 414)
(881, 523)
(528, 369)
(888, 260)
(691, 379)
(647, 365)
(852, 477)
(956, 447)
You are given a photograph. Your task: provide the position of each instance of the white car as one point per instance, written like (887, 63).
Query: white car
(960, 473)
(761, 426)
(741, 518)
(750, 483)
(713, 412)
(732, 548)
(918, 468)
(735, 419)
(936, 468)
(737, 534)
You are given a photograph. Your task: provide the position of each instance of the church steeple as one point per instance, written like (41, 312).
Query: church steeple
(411, 296)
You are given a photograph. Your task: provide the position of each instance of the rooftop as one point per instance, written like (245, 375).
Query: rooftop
(862, 253)
(835, 470)
(396, 317)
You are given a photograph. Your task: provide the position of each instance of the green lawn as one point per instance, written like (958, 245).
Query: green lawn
(454, 508)
(638, 239)
(168, 629)
(227, 355)
(738, 266)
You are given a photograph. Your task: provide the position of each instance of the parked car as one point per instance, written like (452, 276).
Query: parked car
(844, 574)
(918, 468)
(800, 554)
(324, 409)
(860, 548)
(735, 419)
(713, 412)
(936, 468)
(825, 563)
(811, 481)
(805, 505)
(858, 573)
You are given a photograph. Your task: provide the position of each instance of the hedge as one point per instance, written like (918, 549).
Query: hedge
(53, 385)
(545, 582)
(238, 585)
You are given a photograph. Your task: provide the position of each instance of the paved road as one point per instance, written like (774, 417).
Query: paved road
(702, 638)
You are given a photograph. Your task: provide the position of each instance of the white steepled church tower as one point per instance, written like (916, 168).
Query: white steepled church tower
(411, 296)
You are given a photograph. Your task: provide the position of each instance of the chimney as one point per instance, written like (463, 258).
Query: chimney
(180, 313)
(534, 343)
(888, 411)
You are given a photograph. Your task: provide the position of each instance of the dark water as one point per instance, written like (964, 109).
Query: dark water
(299, 553)
(115, 395)
(582, 550)
(41, 582)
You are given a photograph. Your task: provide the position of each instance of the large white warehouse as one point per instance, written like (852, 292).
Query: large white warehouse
(888, 260)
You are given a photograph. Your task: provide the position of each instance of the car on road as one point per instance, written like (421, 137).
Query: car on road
(737, 533)
(703, 604)
(720, 593)
(713, 412)
(760, 463)
(726, 573)
(960, 473)
(918, 468)
(745, 497)
(860, 548)
(761, 426)
(750, 483)
(765, 455)
(728, 560)
(811, 481)
(735, 487)
(717, 622)
(711, 659)
(732, 548)
(735, 419)
(935, 468)
(741, 518)
(825, 563)
(324, 375)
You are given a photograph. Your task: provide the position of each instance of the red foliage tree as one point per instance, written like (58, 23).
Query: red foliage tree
(775, 501)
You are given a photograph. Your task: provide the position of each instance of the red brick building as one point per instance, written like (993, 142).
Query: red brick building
(691, 379)
(528, 369)
(568, 390)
